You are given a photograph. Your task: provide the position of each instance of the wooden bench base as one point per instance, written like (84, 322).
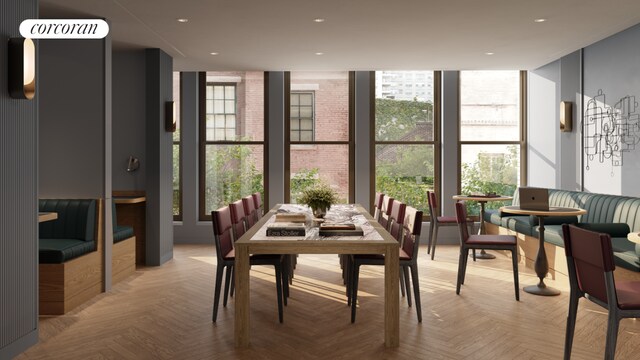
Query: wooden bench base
(123, 260)
(528, 249)
(64, 286)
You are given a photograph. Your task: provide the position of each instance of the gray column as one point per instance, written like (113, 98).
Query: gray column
(275, 119)
(363, 139)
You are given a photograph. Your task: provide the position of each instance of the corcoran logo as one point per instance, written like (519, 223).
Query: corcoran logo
(64, 28)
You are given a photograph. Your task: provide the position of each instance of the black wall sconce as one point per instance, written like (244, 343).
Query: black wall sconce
(566, 116)
(22, 68)
(170, 116)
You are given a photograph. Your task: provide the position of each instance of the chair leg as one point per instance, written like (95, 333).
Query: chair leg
(227, 285)
(279, 290)
(354, 289)
(465, 261)
(347, 270)
(434, 241)
(571, 324)
(405, 270)
(461, 268)
(216, 292)
(402, 292)
(284, 280)
(612, 336)
(431, 228)
(416, 290)
(514, 259)
(233, 283)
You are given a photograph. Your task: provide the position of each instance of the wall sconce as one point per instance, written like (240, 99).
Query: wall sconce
(170, 116)
(566, 116)
(133, 164)
(22, 68)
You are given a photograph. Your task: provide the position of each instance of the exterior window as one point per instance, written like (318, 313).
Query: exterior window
(221, 112)
(231, 138)
(177, 179)
(407, 137)
(319, 145)
(302, 116)
(492, 144)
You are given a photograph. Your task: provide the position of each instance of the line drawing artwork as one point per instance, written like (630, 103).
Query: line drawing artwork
(609, 131)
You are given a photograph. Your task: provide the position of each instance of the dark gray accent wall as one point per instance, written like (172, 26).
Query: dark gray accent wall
(18, 198)
(363, 139)
(129, 121)
(159, 147)
(613, 66)
(276, 138)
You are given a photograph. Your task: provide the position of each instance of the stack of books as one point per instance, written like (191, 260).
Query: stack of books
(291, 217)
(286, 229)
(331, 229)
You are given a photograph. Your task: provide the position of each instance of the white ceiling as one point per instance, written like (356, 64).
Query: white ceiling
(357, 34)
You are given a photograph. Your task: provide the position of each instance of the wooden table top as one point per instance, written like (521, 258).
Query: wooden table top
(129, 199)
(553, 211)
(482, 198)
(634, 237)
(47, 216)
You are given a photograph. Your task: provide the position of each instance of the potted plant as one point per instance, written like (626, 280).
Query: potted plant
(319, 198)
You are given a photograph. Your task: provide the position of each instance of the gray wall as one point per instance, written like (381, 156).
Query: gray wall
(159, 148)
(129, 122)
(18, 199)
(363, 140)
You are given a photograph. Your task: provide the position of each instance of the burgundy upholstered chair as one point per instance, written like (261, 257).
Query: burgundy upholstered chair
(492, 242)
(377, 206)
(257, 201)
(591, 275)
(385, 211)
(437, 222)
(411, 224)
(222, 234)
(250, 210)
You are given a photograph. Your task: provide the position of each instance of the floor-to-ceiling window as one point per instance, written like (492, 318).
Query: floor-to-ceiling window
(177, 179)
(231, 138)
(319, 133)
(406, 135)
(492, 137)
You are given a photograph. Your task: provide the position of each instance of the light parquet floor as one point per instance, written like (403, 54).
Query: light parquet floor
(165, 313)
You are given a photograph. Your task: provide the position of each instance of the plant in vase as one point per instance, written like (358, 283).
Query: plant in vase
(319, 198)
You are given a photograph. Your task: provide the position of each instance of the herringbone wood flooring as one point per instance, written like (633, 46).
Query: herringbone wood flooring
(165, 313)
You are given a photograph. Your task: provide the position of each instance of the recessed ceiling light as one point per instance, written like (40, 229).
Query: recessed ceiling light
(319, 20)
(182, 20)
(489, 53)
(214, 53)
(319, 53)
(540, 20)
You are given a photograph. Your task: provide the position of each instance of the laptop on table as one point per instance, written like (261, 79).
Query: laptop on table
(534, 198)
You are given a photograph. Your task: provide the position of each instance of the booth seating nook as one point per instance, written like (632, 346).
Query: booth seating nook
(611, 214)
(71, 247)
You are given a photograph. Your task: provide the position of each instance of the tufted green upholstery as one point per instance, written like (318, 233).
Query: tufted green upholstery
(72, 234)
(605, 213)
(119, 232)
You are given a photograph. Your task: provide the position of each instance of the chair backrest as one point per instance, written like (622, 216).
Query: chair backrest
(433, 206)
(387, 205)
(257, 201)
(377, 205)
(250, 210)
(221, 220)
(396, 219)
(412, 227)
(589, 256)
(237, 219)
(461, 218)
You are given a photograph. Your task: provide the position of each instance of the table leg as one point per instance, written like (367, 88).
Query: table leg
(391, 297)
(242, 297)
(483, 254)
(542, 268)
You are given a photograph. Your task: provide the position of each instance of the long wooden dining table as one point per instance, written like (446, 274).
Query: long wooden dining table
(376, 240)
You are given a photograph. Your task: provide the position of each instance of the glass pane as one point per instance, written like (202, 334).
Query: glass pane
(306, 124)
(490, 168)
(218, 106)
(231, 121)
(230, 92)
(209, 92)
(295, 124)
(404, 106)
(219, 121)
(249, 111)
(295, 112)
(406, 173)
(231, 134)
(176, 101)
(326, 96)
(209, 106)
(311, 164)
(211, 135)
(219, 134)
(218, 92)
(489, 105)
(176, 179)
(306, 136)
(295, 136)
(295, 98)
(231, 172)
